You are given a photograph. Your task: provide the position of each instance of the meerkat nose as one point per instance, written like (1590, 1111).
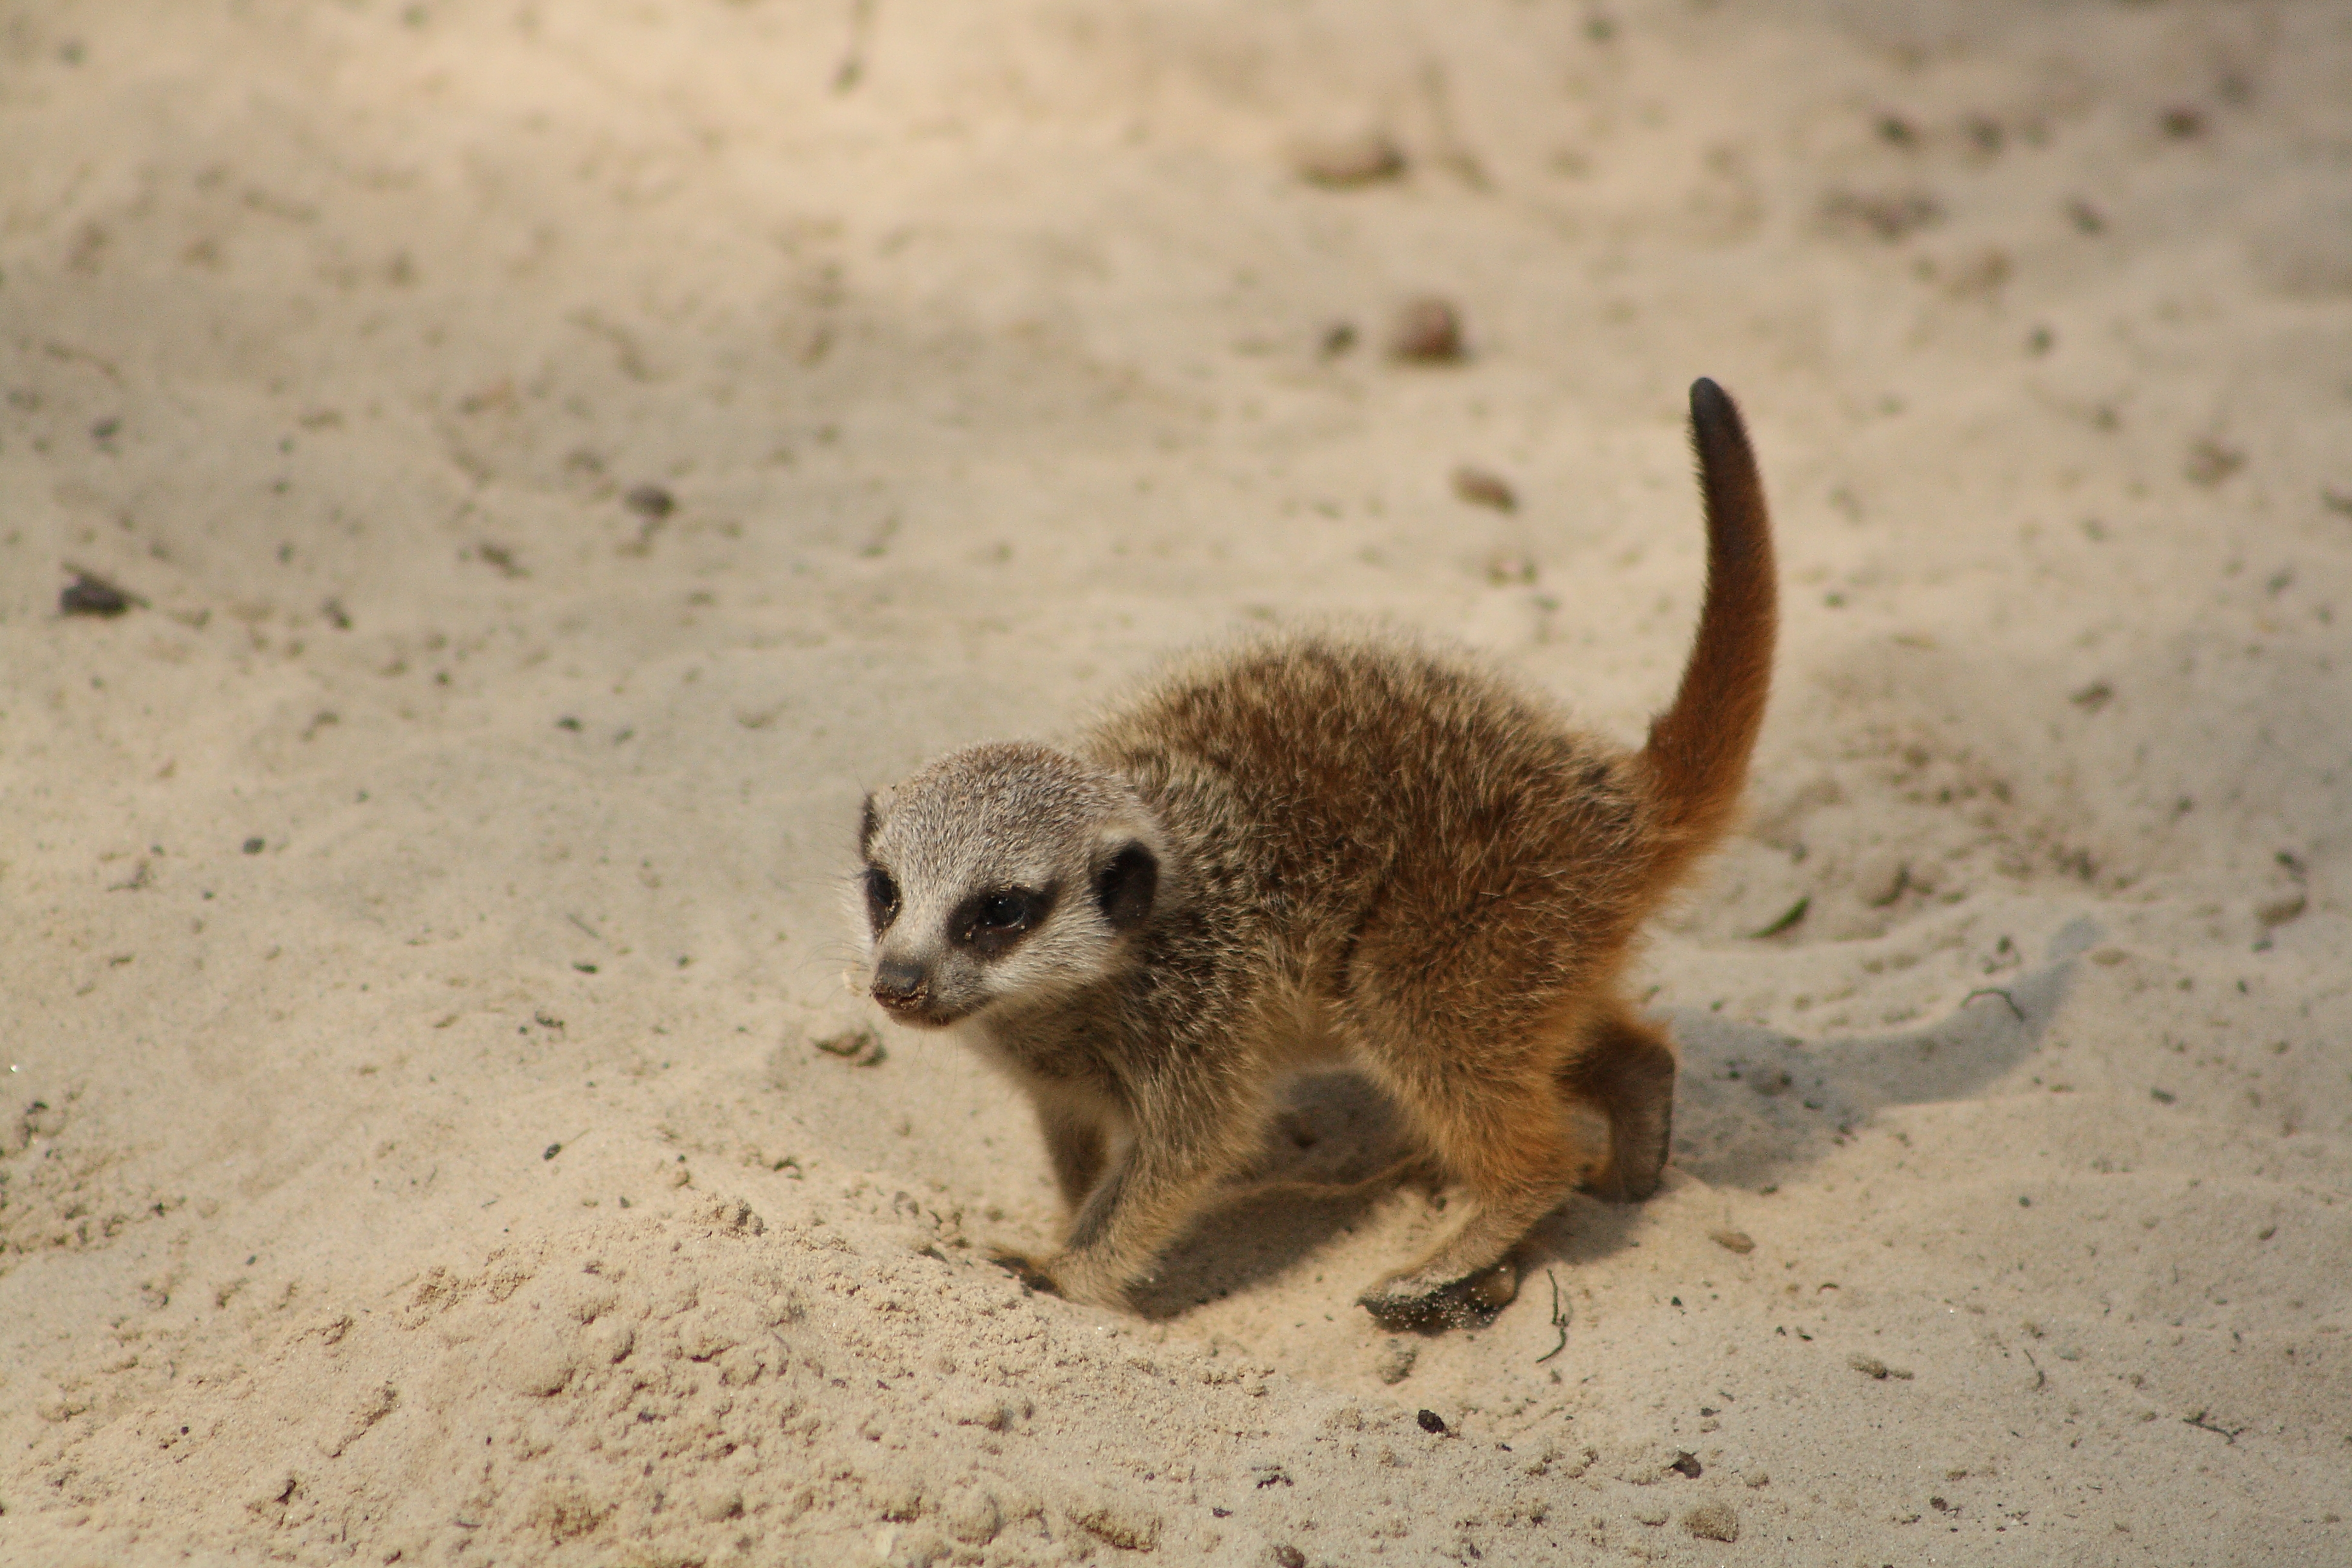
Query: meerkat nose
(897, 982)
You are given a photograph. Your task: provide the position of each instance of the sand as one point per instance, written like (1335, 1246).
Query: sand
(564, 453)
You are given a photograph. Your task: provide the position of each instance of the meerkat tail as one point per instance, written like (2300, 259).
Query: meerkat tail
(1699, 748)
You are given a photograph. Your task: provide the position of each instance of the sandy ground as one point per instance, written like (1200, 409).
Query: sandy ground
(565, 452)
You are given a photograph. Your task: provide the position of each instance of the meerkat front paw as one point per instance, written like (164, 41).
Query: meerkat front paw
(1062, 1274)
(1037, 1273)
(1408, 1300)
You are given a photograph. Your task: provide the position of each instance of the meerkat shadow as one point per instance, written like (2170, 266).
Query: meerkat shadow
(1755, 1106)
(1335, 1146)
(1752, 1107)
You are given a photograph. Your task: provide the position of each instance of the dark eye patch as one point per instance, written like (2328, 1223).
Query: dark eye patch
(996, 920)
(881, 897)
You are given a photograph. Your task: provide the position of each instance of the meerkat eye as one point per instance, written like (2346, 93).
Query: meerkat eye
(994, 922)
(1002, 911)
(881, 897)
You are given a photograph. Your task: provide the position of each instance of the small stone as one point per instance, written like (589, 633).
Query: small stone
(89, 595)
(650, 501)
(2278, 912)
(1431, 1423)
(2211, 461)
(2094, 697)
(255, 846)
(1713, 1521)
(1481, 487)
(1428, 331)
(1687, 1465)
(1289, 1556)
(1342, 163)
(1731, 1240)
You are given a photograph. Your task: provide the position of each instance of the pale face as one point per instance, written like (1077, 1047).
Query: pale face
(999, 872)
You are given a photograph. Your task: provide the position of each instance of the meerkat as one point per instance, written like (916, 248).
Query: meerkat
(1318, 846)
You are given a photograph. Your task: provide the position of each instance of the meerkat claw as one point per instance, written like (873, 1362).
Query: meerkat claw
(1419, 1303)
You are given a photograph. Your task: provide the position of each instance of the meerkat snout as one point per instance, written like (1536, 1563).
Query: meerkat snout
(1318, 846)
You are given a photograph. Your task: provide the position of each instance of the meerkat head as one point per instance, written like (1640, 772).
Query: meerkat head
(1002, 872)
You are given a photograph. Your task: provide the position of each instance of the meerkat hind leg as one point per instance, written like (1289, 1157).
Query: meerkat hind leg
(1516, 1155)
(1627, 1072)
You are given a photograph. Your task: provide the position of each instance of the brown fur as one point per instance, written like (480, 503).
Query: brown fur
(1317, 846)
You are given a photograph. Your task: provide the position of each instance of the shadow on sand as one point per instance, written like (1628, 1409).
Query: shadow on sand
(1752, 1106)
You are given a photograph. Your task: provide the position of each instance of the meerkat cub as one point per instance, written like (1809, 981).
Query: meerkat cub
(1315, 846)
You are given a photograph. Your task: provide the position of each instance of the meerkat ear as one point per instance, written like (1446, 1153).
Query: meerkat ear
(868, 819)
(1126, 886)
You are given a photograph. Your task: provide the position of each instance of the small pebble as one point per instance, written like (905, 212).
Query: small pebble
(650, 501)
(1737, 1241)
(1480, 487)
(2278, 912)
(255, 846)
(1431, 1423)
(2209, 461)
(1343, 163)
(1428, 331)
(1687, 1465)
(1289, 1556)
(92, 596)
